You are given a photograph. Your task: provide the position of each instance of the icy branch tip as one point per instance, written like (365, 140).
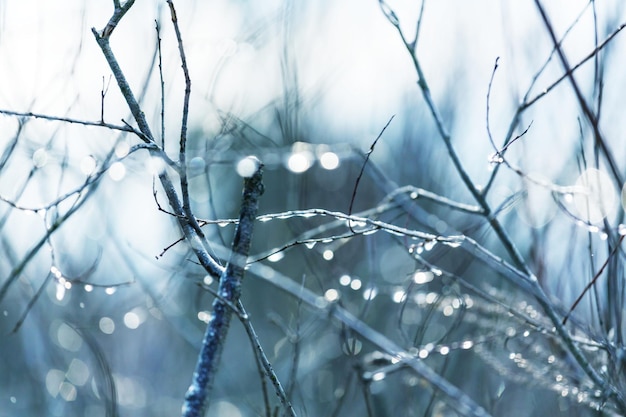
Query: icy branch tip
(248, 166)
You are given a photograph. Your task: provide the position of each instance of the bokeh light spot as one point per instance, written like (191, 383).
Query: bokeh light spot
(299, 162)
(68, 338)
(117, 171)
(246, 167)
(87, 165)
(331, 295)
(122, 149)
(345, 280)
(107, 325)
(204, 316)
(329, 160)
(40, 157)
(598, 197)
(131, 320)
(422, 277)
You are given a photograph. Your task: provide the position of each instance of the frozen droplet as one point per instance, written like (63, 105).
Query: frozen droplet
(422, 277)
(378, 376)
(328, 254)
(223, 224)
(310, 245)
(56, 272)
(60, 292)
(204, 316)
(276, 256)
(452, 243)
(110, 290)
(429, 245)
(495, 159)
(356, 223)
(467, 344)
(370, 232)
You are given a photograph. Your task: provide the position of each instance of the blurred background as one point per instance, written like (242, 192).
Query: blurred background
(102, 312)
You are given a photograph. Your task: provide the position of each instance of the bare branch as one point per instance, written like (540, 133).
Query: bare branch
(67, 120)
(197, 241)
(182, 155)
(229, 289)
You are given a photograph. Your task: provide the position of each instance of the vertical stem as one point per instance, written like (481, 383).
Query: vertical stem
(229, 291)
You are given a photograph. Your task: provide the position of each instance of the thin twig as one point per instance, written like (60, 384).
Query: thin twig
(182, 155)
(528, 278)
(67, 120)
(526, 102)
(591, 117)
(103, 93)
(162, 83)
(570, 71)
(464, 404)
(367, 157)
(197, 242)
(267, 366)
(593, 280)
(467, 181)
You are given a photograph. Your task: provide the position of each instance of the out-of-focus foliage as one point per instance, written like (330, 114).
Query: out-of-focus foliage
(102, 308)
